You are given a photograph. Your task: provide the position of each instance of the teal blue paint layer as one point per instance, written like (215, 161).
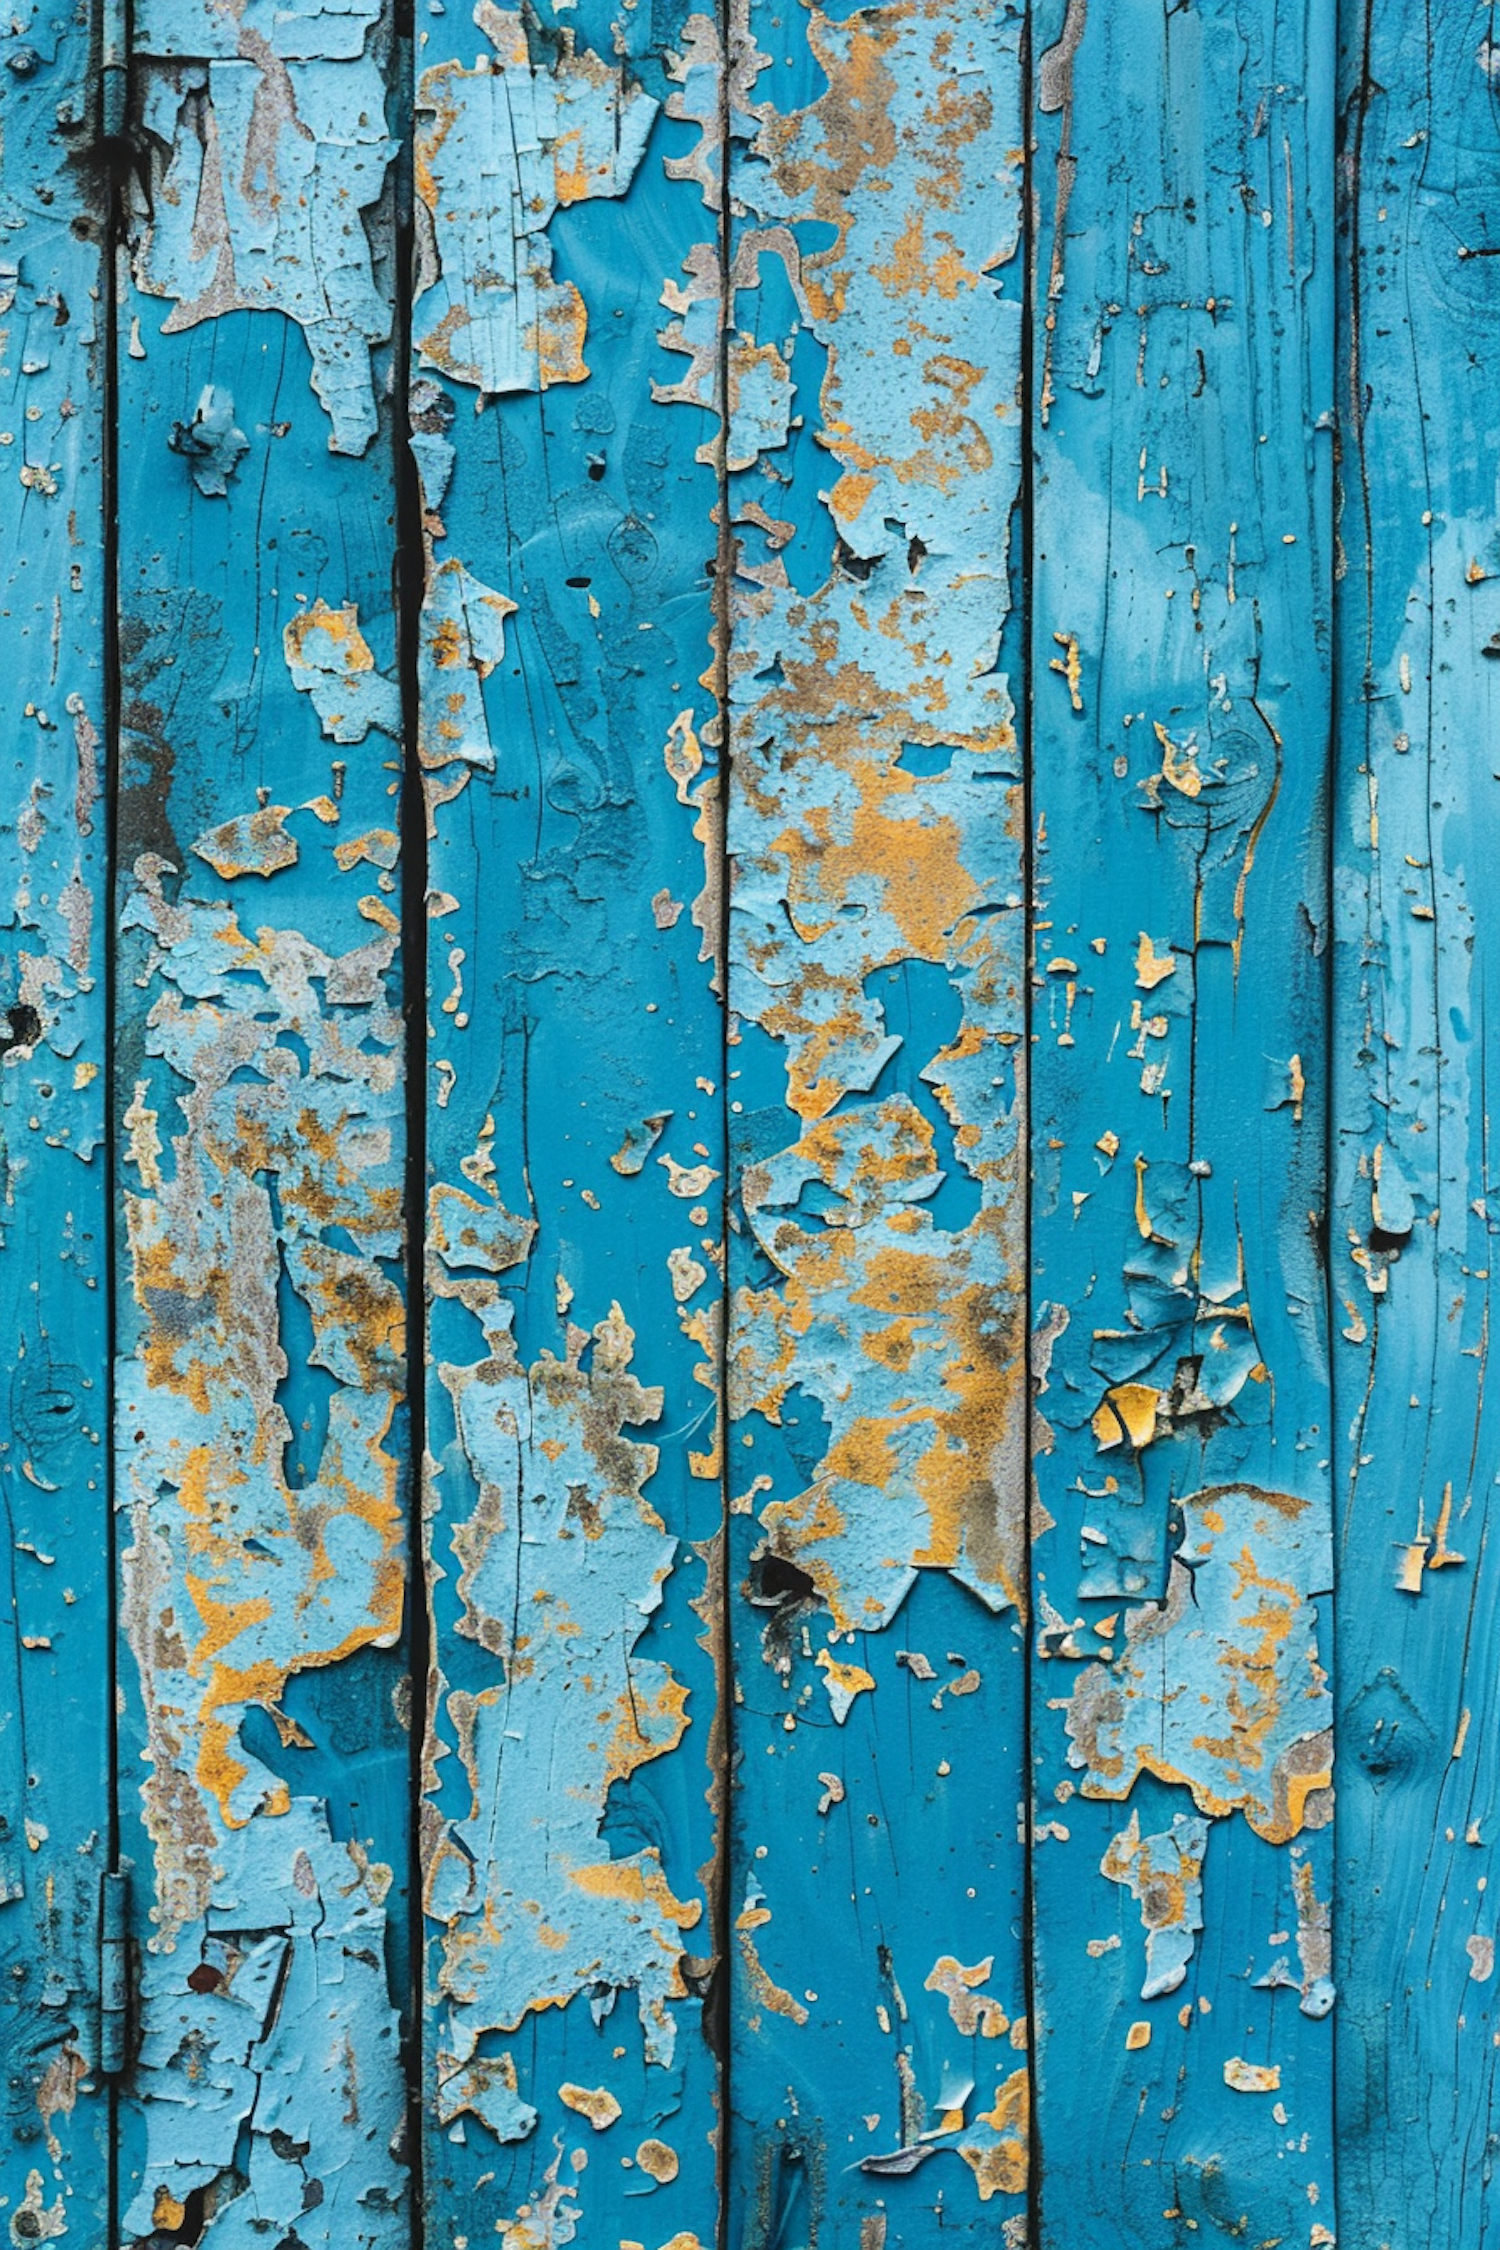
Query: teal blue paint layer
(1414, 1217)
(573, 1115)
(261, 1434)
(1182, 583)
(876, 1472)
(54, 1575)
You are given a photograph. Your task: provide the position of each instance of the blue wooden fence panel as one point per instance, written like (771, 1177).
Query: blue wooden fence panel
(55, 1601)
(783, 570)
(1419, 636)
(1181, 583)
(260, 1426)
(875, 1478)
(574, 1102)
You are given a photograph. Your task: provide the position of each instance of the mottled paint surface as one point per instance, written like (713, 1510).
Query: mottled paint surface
(574, 1096)
(54, 1552)
(1415, 842)
(260, 1429)
(835, 1751)
(878, 2075)
(266, 154)
(1181, 1562)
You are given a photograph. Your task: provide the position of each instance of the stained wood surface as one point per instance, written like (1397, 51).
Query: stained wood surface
(261, 1481)
(1415, 791)
(573, 1101)
(1181, 584)
(55, 1603)
(728, 644)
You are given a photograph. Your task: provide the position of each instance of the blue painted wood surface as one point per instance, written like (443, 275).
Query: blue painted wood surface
(574, 1095)
(55, 1601)
(1415, 836)
(259, 1062)
(785, 564)
(1181, 582)
(875, 1487)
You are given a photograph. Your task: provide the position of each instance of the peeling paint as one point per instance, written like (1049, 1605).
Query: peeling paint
(330, 661)
(1219, 1688)
(755, 376)
(251, 844)
(1164, 1874)
(847, 864)
(246, 1565)
(501, 147)
(999, 2159)
(871, 442)
(211, 444)
(1314, 1983)
(463, 639)
(922, 1439)
(1181, 1550)
(55, 1596)
(281, 1984)
(1413, 1211)
(572, 1763)
(277, 1575)
(543, 1912)
(723, 791)
(268, 147)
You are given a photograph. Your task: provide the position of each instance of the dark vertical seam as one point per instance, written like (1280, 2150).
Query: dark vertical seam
(115, 185)
(410, 591)
(721, 2028)
(1025, 706)
(1346, 336)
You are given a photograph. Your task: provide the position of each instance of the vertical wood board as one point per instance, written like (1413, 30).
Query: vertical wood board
(55, 1605)
(1181, 581)
(260, 1424)
(573, 1095)
(1415, 841)
(875, 1473)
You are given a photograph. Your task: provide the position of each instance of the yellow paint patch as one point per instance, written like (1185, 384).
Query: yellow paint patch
(1128, 1411)
(1152, 968)
(843, 1681)
(1000, 2167)
(596, 2103)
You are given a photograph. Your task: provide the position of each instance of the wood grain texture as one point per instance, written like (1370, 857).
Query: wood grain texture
(1416, 828)
(1182, 576)
(260, 1426)
(877, 927)
(876, 1462)
(573, 1116)
(54, 1508)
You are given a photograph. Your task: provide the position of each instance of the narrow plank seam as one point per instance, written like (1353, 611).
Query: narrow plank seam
(720, 2028)
(410, 591)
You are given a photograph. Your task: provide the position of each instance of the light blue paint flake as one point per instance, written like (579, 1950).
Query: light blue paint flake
(268, 140)
(211, 444)
(499, 148)
(1164, 1874)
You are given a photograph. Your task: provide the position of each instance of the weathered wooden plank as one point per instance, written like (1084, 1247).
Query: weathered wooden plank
(55, 1605)
(260, 1423)
(1413, 1221)
(876, 1465)
(574, 1136)
(1182, 580)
